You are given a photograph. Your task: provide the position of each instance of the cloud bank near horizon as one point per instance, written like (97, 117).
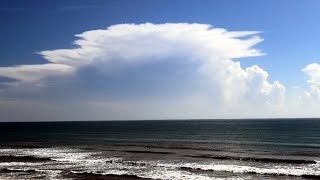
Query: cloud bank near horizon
(226, 90)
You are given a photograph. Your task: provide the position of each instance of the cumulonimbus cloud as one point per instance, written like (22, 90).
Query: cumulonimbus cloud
(214, 50)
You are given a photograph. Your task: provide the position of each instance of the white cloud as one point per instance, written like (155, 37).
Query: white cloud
(130, 43)
(34, 73)
(313, 73)
(304, 101)
(214, 51)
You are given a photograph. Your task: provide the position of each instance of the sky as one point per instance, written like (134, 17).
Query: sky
(148, 59)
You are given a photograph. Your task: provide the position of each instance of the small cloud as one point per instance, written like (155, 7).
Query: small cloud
(296, 87)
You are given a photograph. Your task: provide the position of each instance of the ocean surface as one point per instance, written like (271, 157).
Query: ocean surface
(184, 149)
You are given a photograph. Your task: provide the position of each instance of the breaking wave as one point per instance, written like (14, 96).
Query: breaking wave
(58, 163)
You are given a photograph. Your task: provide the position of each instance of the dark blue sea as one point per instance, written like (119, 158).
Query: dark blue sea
(168, 149)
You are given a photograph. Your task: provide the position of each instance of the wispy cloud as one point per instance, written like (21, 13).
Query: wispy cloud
(34, 73)
(80, 7)
(14, 9)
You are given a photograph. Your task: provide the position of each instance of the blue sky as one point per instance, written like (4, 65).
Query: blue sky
(289, 29)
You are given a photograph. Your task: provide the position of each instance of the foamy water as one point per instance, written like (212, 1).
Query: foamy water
(79, 161)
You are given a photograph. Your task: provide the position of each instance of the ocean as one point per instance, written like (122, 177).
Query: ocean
(168, 149)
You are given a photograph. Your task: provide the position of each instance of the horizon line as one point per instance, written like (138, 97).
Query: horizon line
(191, 119)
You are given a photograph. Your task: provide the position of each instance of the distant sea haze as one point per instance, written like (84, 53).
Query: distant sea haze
(171, 149)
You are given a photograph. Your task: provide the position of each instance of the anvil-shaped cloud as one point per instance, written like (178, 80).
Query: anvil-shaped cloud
(212, 51)
(128, 44)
